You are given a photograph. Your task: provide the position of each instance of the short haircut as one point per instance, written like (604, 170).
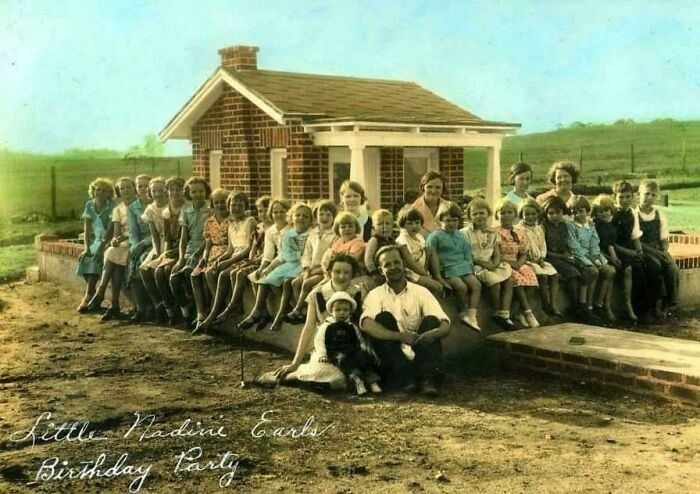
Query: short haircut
(506, 203)
(432, 175)
(516, 169)
(174, 182)
(409, 213)
(384, 250)
(345, 217)
(622, 186)
(154, 181)
(196, 180)
(262, 202)
(296, 207)
(346, 258)
(219, 192)
(602, 203)
(325, 205)
(237, 194)
(101, 181)
(119, 181)
(529, 203)
(285, 203)
(555, 202)
(448, 209)
(355, 187)
(381, 213)
(478, 203)
(580, 202)
(649, 184)
(565, 165)
(142, 176)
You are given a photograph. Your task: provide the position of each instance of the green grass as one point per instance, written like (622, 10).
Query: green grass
(606, 152)
(25, 180)
(14, 261)
(23, 233)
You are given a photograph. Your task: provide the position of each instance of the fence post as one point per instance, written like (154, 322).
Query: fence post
(685, 170)
(631, 157)
(521, 156)
(53, 193)
(153, 166)
(178, 169)
(580, 158)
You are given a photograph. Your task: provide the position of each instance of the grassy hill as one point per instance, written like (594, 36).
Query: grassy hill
(658, 148)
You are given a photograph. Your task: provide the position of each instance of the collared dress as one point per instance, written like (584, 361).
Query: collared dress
(138, 231)
(484, 243)
(171, 234)
(317, 244)
(153, 216)
(430, 223)
(216, 232)
(290, 253)
(584, 243)
(119, 254)
(193, 219)
(99, 223)
(354, 247)
(271, 247)
(512, 244)
(454, 252)
(513, 197)
(416, 247)
(537, 248)
(557, 237)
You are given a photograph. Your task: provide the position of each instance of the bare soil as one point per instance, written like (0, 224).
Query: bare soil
(493, 431)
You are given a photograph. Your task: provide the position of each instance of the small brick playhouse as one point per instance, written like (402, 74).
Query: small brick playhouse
(300, 135)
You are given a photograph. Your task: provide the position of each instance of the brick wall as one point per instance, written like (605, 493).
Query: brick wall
(452, 167)
(391, 163)
(307, 166)
(669, 385)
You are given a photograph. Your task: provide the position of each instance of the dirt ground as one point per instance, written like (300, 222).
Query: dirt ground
(493, 432)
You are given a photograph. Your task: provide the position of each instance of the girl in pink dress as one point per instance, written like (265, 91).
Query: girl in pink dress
(514, 249)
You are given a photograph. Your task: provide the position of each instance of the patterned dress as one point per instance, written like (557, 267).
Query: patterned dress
(537, 249)
(484, 243)
(416, 247)
(512, 245)
(584, 244)
(193, 219)
(216, 231)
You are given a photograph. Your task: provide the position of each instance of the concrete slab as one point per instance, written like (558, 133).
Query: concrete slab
(667, 367)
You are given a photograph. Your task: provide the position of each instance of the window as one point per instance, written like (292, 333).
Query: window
(339, 162)
(417, 161)
(278, 172)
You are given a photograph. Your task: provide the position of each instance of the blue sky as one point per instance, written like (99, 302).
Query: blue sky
(105, 73)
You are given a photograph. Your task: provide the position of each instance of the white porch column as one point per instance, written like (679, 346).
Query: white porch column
(357, 164)
(493, 175)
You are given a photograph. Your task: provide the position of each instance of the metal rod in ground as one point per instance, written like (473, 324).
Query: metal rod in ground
(240, 344)
(53, 193)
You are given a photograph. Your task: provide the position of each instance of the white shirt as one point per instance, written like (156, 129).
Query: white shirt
(316, 245)
(409, 307)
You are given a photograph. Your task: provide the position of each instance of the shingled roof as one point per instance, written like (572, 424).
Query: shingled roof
(324, 98)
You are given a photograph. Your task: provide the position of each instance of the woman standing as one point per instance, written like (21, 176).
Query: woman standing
(563, 175)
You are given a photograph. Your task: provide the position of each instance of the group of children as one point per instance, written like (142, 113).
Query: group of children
(184, 254)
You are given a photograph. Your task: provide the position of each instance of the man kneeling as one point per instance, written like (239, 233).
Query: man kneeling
(405, 323)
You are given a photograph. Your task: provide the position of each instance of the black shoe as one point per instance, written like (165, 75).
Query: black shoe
(506, 323)
(161, 315)
(427, 387)
(259, 321)
(111, 314)
(94, 305)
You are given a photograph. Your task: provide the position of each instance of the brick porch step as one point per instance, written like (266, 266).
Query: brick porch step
(642, 363)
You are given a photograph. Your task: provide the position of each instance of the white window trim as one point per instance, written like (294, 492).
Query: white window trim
(430, 154)
(215, 156)
(335, 155)
(276, 157)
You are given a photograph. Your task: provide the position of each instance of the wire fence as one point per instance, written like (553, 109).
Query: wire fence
(53, 188)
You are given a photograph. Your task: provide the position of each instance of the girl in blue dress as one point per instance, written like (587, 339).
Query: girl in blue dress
(96, 216)
(283, 269)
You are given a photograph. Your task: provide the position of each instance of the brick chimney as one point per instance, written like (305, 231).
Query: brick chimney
(239, 57)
